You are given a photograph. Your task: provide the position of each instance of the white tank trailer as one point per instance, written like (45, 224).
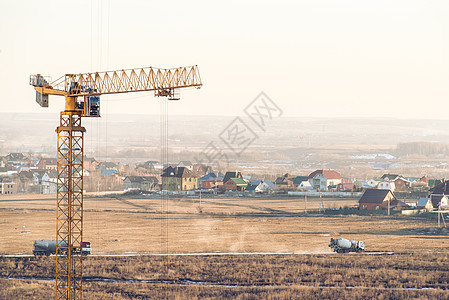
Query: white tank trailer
(344, 245)
(49, 247)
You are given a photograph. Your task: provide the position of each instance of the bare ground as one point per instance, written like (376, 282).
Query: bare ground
(123, 225)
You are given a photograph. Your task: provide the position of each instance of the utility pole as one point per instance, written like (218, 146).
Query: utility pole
(321, 203)
(389, 206)
(200, 203)
(305, 202)
(439, 214)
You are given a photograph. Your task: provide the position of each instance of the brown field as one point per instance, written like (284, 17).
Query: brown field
(238, 277)
(123, 225)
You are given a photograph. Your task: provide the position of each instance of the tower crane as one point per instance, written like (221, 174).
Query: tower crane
(82, 99)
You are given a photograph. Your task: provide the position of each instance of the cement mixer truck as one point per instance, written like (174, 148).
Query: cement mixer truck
(344, 245)
(49, 247)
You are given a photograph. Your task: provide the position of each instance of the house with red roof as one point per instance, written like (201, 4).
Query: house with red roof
(322, 179)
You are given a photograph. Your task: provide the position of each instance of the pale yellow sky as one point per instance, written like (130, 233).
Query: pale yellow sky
(313, 58)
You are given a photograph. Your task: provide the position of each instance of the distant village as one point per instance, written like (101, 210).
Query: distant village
(20, 174)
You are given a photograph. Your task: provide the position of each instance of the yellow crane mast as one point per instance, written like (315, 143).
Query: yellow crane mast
(82, 99)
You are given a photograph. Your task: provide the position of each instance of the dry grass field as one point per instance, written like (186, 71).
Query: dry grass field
(136, 227)
(407, 276)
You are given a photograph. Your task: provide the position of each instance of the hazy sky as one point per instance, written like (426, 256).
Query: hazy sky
(313, 58)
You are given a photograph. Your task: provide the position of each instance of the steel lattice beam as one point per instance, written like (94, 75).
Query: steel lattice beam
(69, 213)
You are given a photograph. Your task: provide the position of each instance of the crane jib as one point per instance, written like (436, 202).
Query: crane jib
(164, 83)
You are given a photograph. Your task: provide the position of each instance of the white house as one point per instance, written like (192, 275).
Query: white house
(47, 180)
(321, 179)
(49, 186)
(386, 185)
(305, 186)
(373, 183)
(260, 186)
(40, 176)
(266, 187)
(439, 201)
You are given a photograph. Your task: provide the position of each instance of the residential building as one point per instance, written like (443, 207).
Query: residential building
(401, 184)
(362, 185)
(39, 176)
(235, 184)
(229, 175)
(46, 180)
(251, 188)
(106, 165)
(424, 203)
(386, 185)
(322, 179)
(34, 161)
(374, 199)
(438, 194)
(49, 186)
(260, 186)
(186, 164)
(108, 172)
(439, 201)
(421, 184)
(16, 161)
(432, 183)
(285, 182)
(374, 182)
(111, 179)
(150, 167)
(211, 177)
(299, 179)
(90, 163)
(25, 182)
(47, 164)
(389, 177)
(201, 169)
(424, 179)
(179, 179)
(305, 186)
(209, 184)
(266, 187)
(15, 156)
(412, 179)
(145, 183)
(7, 187)
(346, 185)
(211, 181)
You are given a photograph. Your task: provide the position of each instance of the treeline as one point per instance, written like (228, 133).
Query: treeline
(421, 148)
